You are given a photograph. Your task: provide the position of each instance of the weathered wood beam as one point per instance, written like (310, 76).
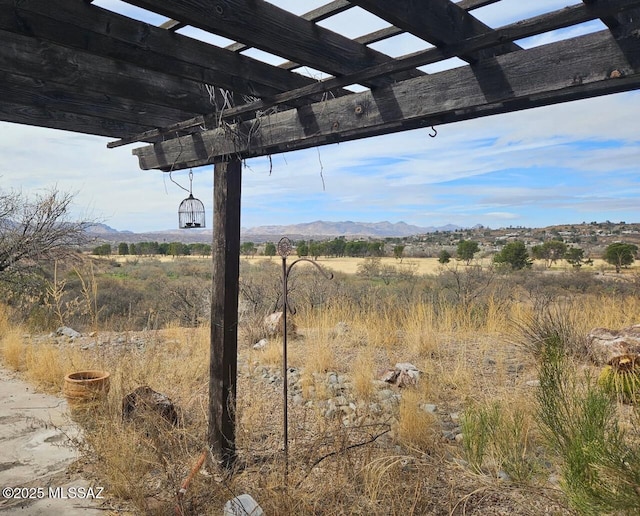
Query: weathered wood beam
(579, 68)
(389, 32)
(440, 22)
(46, 61)
(524, 28)
(609, 21)
(469, 5)
(223, 365)
(91, 29)
(321, 13)
(53, 97)
(262, 25)
(43, 116)
(172, 25)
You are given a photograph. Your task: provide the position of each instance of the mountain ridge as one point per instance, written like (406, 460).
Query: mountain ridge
(314, 229)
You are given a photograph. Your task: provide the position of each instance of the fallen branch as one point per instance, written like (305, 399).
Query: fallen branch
(342, 450)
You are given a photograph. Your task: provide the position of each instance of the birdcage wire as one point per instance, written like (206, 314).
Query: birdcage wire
(191, 212)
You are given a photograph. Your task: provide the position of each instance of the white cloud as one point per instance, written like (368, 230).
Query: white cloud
(457, 177)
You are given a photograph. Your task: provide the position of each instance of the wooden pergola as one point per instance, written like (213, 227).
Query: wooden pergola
(77, 66)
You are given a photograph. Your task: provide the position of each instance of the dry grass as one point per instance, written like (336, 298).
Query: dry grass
(334, 468)
(417, 429)
(13, 349)
(363, 372)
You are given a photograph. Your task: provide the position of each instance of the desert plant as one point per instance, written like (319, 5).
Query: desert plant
(621, 378)
(478, 424)
(599, 461)
(499, 434)
(552, 329)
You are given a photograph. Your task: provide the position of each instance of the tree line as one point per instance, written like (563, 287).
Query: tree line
(154, 249)
(516, 256)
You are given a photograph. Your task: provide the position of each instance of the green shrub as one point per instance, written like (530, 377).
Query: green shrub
(600, 462)
(497, 434)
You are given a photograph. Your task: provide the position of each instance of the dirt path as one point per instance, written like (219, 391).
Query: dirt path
(36, 447)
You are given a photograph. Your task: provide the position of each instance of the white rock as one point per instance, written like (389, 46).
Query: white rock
(243, 505)
(262, 343)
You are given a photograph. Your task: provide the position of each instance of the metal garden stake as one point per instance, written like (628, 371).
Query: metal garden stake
(285, 247)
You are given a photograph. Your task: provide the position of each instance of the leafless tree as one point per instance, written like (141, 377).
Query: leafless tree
(37, 230)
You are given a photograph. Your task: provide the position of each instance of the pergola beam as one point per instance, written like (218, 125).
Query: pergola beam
(262, 25)
(94, 30)
(522, 29)
(52, 97)
(440, 22)
(579, 68)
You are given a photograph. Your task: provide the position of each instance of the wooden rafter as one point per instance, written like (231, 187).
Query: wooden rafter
(595, 64)
(99, 32)
(521, 29)
(264, 26)
(118, 92)
(439, 22)
(321, 13)
(389, 32)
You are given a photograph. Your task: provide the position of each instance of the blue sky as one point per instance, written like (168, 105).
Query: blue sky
(559, 164)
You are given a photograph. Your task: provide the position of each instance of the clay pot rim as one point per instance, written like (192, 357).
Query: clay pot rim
(87, 376)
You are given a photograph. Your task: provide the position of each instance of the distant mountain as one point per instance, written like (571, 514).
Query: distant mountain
(103, 229)
(321, 228)
(317, 229)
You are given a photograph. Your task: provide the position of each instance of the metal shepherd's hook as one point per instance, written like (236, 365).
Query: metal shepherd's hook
(285, 247)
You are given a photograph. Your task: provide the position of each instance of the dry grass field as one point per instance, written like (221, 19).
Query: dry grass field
(465, 439)
(349, 265)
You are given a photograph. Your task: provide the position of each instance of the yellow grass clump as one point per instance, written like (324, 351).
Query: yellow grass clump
(416, 428)
(13, 348)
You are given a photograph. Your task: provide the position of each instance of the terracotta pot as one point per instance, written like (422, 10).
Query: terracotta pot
(85, 387)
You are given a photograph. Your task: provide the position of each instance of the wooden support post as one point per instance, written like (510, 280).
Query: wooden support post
(223, 363)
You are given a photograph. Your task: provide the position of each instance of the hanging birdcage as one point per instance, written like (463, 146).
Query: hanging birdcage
(191, 210)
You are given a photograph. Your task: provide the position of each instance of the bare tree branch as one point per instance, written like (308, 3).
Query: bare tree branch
(36, 230)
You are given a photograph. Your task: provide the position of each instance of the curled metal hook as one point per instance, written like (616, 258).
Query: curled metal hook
(435, 133)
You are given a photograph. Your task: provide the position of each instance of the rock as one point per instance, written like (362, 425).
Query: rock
(604, 344)
(385, 394)
(330, 412)
(503, 475)
(402, 375)
(389, 376)
(273, 325)
(532, 383)
(429, 408)
(449, 435)
(243, 505)
(68, 332)
(332, 378)
(145, 400)
(262, 343)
